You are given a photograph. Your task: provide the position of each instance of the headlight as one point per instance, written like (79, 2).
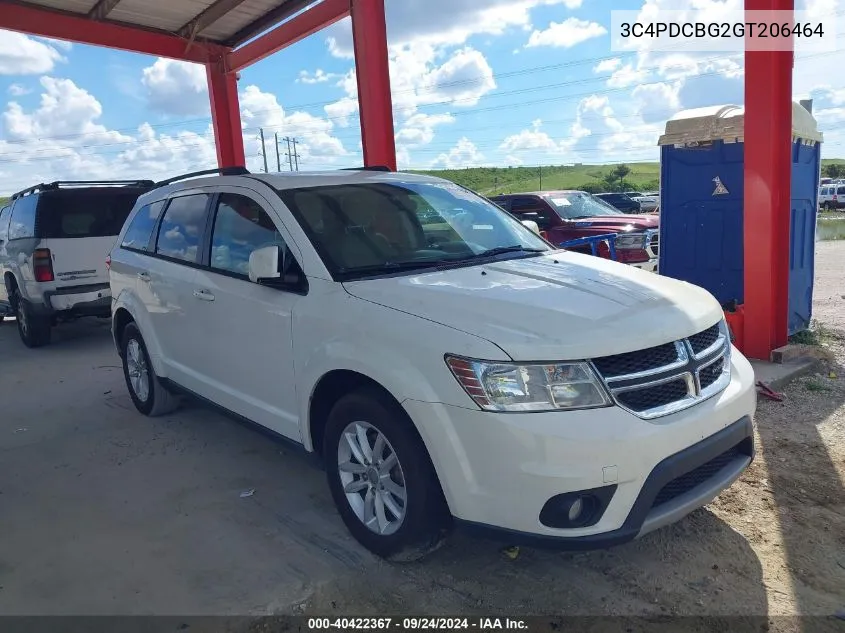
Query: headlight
(535, 387)
(632, 240)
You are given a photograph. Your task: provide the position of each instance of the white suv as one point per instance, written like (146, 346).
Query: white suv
(54, 238)
(447, 364)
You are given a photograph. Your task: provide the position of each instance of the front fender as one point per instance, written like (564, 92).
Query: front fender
(401, 352)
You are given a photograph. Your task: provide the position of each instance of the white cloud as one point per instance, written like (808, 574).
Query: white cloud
(626, 76)
(319, 76)
(445, 22)
(24, 55)
(176, 88)
(17, 90)
(316, 144)
(418, 129)
(566, 34)
(463, 154)
(62, 138)
(607, 65)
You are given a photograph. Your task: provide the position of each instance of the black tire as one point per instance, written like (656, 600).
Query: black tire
(826, 206)
(157, 400)
(427, 517)
(34, 330)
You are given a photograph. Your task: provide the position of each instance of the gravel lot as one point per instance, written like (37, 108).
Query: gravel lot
(103, 511)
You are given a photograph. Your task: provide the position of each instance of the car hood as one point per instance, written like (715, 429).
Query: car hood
(618, 222)
(562, 306)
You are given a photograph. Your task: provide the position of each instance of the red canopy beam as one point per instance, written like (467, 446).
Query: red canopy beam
(768, 178)
(317, 17)
(369, 34)
(225, 115)
(74, 28)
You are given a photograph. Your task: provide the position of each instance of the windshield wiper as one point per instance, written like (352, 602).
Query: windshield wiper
(516, 248)
(389, 267)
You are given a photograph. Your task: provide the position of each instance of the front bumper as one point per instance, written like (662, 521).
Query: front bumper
(498, 471)
(650, 265)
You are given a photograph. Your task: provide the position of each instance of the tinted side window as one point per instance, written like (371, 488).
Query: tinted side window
(534, 210)
(840, 191)
(182, 227)
(140, 232)
(23, 218)
(240, 227)
(5, 212)
(505, 203)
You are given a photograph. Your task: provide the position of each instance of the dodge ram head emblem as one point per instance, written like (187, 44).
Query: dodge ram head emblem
(720, 188)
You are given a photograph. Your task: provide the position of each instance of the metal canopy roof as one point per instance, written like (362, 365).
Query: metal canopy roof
(226, 22)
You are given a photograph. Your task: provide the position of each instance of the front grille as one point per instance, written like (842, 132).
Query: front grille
(701, 341)
(640, 400)
(666, 378)
(636, 362)
(711, 373)
(655, 244)
(693, 478)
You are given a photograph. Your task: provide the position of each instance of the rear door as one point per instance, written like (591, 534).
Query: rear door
(80, 226)
(167, 286)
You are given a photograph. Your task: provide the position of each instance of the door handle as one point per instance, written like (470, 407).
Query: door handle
(144, 276)
(205, 295)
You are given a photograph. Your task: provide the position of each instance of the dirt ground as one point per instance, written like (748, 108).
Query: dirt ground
(103, 511)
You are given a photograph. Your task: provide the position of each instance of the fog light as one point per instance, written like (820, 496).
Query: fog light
(575, 509)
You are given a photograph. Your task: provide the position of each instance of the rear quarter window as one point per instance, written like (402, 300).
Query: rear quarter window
(139, 234)
(23, 218)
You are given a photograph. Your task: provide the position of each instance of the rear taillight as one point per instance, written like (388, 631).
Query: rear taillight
(108, 262)
(42, 264)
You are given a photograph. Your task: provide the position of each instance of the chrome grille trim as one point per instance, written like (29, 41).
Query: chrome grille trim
(687, 367)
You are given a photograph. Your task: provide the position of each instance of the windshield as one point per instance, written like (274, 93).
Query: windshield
(380, 228)
(579, 204)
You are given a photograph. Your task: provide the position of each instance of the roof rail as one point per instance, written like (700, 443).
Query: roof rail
(221, 171)
(368, 168)
(58, 184)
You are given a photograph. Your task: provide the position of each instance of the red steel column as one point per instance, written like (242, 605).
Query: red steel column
(369, 34)
(768, 167)
(225, 115)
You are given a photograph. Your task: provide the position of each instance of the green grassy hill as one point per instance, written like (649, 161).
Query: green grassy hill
(493, 180)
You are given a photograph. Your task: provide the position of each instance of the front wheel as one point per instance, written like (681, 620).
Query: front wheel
(382, 479)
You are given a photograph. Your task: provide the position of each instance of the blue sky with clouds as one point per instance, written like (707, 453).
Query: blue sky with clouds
(475, 82)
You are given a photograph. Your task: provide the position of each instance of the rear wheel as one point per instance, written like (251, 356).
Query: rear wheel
(34, 330)
(148, 394)
(381, 477)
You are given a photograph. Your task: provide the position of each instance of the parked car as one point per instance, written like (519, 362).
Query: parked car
(648, 204)
(53, 241)
(832, 197)
(567, 215)
(621, 202)
(407, 354)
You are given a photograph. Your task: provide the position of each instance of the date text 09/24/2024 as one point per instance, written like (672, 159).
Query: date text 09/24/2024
(414, 624)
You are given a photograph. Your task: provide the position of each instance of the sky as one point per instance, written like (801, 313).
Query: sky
(474, 83)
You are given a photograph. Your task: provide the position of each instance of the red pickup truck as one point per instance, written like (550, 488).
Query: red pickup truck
(567, 215)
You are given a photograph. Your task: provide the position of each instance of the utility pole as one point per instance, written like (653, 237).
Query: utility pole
(263, 149)
(289, 155)
(278, 158)
(295, 155)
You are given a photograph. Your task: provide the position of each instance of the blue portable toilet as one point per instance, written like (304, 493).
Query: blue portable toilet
(701, 204)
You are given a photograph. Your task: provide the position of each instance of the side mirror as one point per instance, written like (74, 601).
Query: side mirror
(264, 264)
(532, 225)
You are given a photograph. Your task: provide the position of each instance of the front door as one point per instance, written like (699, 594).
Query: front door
(246, 357)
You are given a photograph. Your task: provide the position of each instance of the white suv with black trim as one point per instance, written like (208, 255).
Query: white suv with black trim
(53, 241)
(449, 366)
